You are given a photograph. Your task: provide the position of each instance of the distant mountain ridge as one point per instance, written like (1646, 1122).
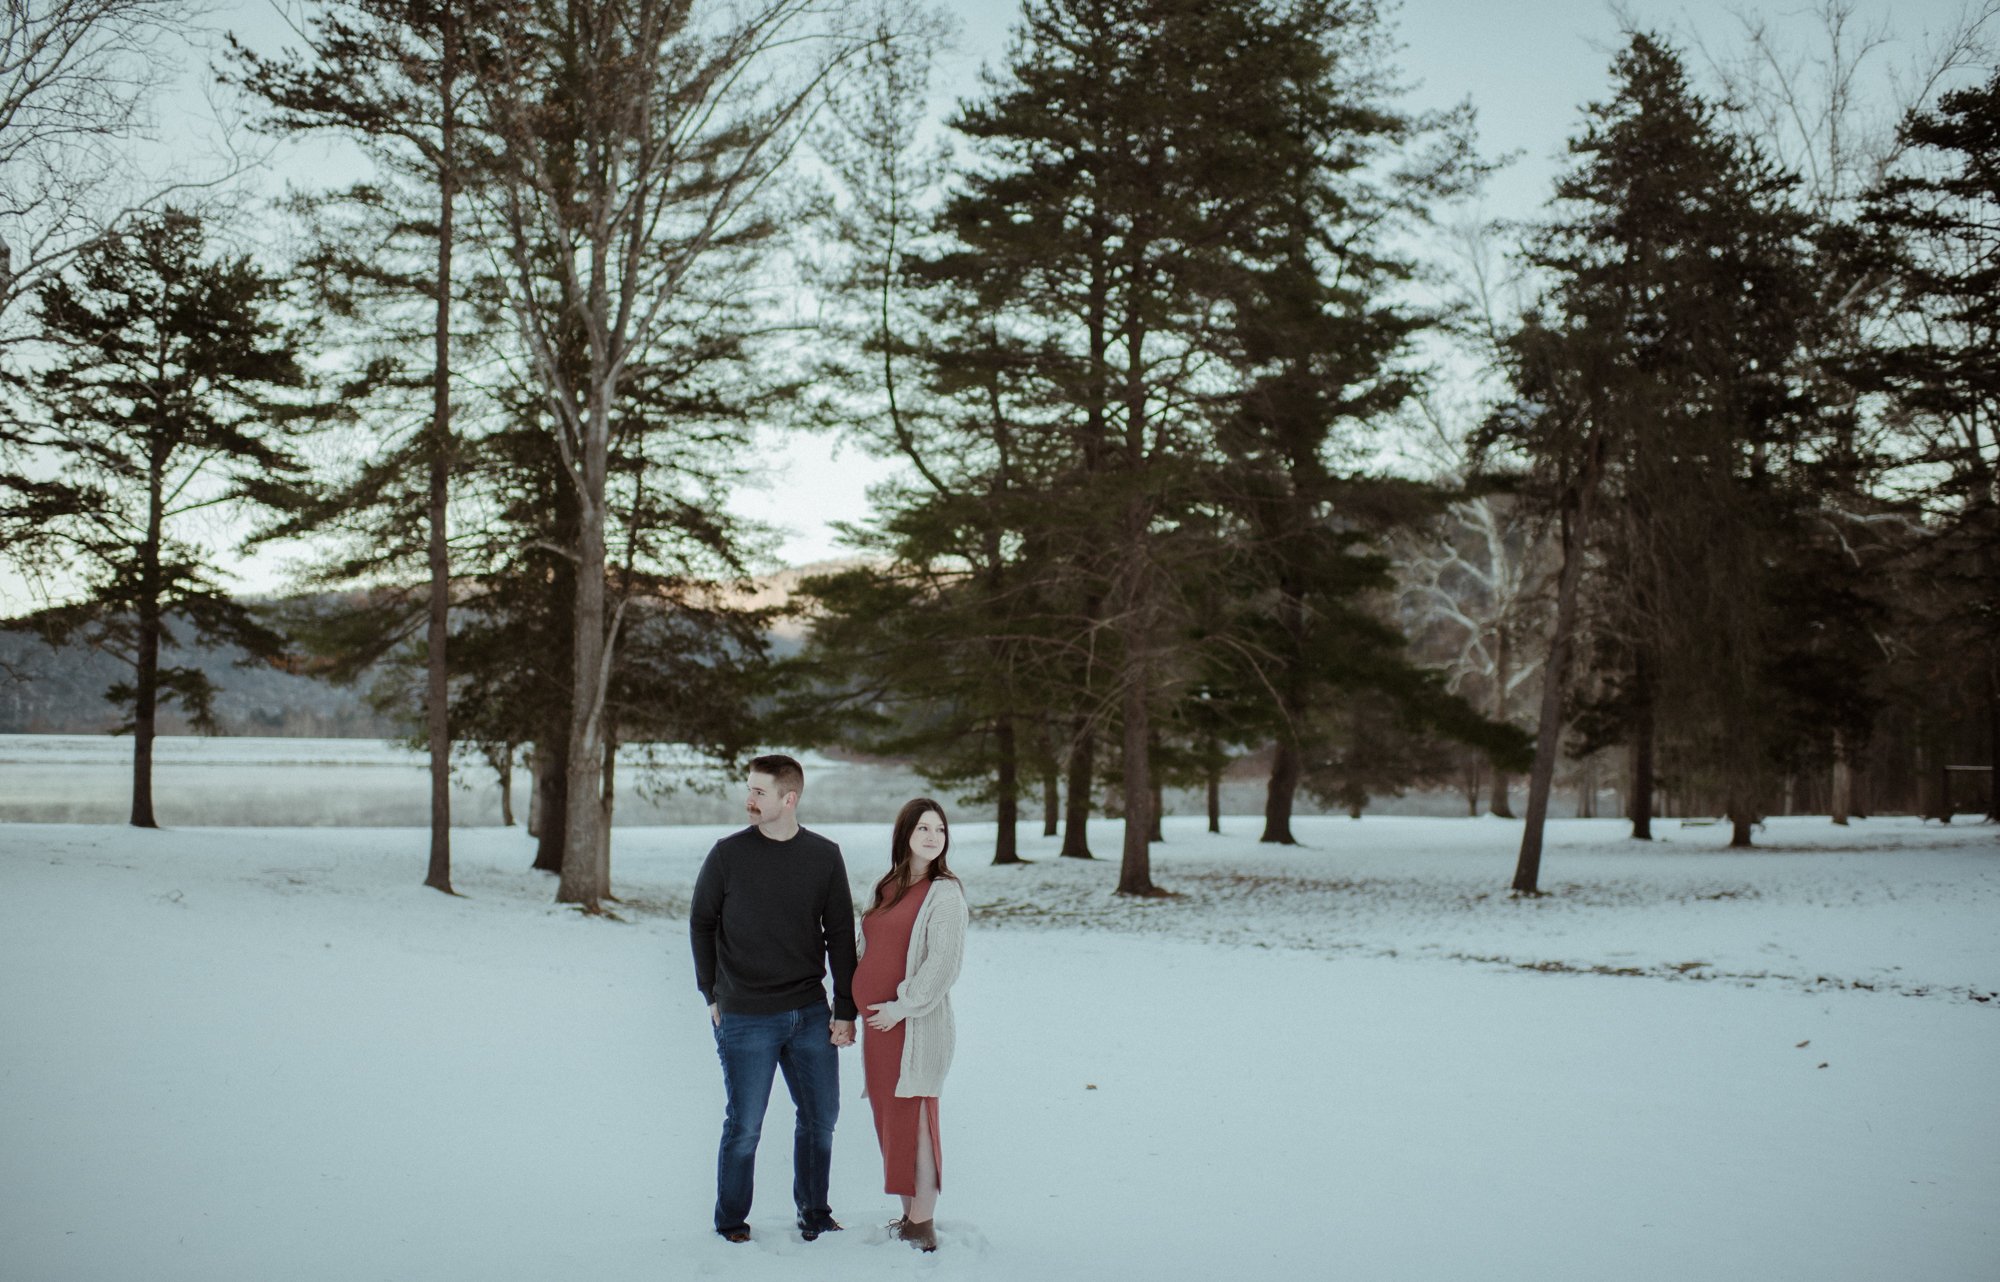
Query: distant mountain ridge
(46, 690)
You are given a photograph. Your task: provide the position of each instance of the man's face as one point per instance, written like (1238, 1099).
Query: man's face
(765, 802)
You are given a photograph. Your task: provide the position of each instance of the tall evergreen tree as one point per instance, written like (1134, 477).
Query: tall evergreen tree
(1939, 220)
(394, 77)
(1132, 165)
(173, 389)
(930, 652)
(1161, 193)
(1809, 111)
(1657, 388)
(925, 371)
(1325, 358)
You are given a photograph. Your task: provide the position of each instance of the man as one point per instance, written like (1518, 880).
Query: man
(772, 914)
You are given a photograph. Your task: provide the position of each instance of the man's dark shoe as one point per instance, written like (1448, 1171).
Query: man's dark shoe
(811, 1229)
(734, 1235)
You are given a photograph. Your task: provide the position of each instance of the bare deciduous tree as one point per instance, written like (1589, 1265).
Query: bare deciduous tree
(75, 78)
(636, 139)
(1475, 585)
(1809, 100)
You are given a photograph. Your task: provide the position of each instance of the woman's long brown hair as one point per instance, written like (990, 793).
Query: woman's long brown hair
(897, 881)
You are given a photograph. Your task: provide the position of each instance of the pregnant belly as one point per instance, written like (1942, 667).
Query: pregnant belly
(876, 983)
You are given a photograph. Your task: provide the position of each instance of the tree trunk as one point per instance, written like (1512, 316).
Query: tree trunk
(1008, 804)
(1076, 815)
(1740, 821)
(1135, 871)
(1642, 755)
(1843, 781)
(437, 699)
(437, 682)
(146, 677)
(1158, 795)
(1927, 780)
(1502, 670)
(552, 788)
(1137, 625)
(1051, 803)
(1548, 726)
(535, 775)
(507, 787)
(1993, 735)
(580, 883)
(1286, 766)
(1279, 794)
(438, 875)
(145, 714)
(1214, 799)
(553, 740)
(606, 804)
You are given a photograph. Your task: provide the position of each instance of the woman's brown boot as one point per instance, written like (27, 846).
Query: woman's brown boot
(920, 1234)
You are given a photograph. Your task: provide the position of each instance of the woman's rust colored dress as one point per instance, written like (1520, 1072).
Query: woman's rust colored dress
(883, 966)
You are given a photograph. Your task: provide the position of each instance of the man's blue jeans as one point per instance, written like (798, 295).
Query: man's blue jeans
(752, 1047)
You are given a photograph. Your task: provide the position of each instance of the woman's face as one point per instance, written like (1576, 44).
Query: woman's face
(927, 839)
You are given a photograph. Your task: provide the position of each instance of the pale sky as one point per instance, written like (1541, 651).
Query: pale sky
(1527, 67)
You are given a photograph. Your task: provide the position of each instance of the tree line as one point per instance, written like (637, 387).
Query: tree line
(1152, 322)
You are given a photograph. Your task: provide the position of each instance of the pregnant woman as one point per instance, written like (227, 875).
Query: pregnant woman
(912, 939)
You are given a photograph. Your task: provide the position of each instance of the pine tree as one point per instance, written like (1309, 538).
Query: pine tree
(1804, 107)
(1938, 224)
(394, 76)
(1657, 390)
(1129, 172)
(930, 653)
(1325, 359)
(173, 389)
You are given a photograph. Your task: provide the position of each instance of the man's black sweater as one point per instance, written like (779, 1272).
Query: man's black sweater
(769, 916)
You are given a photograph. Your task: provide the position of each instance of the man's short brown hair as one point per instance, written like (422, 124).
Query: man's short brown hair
(785, 771)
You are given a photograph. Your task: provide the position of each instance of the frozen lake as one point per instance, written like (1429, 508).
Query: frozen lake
(239, 780)
(232, 780)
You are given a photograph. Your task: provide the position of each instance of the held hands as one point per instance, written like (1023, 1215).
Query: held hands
(840, 1031)
(883, 1019)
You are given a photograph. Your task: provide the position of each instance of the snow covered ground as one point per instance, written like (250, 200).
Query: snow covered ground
(270, 1054)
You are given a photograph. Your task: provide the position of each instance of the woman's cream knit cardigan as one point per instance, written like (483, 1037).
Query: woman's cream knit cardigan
(923, 999)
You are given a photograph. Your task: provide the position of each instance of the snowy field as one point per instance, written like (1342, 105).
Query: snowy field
(270, 1054)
